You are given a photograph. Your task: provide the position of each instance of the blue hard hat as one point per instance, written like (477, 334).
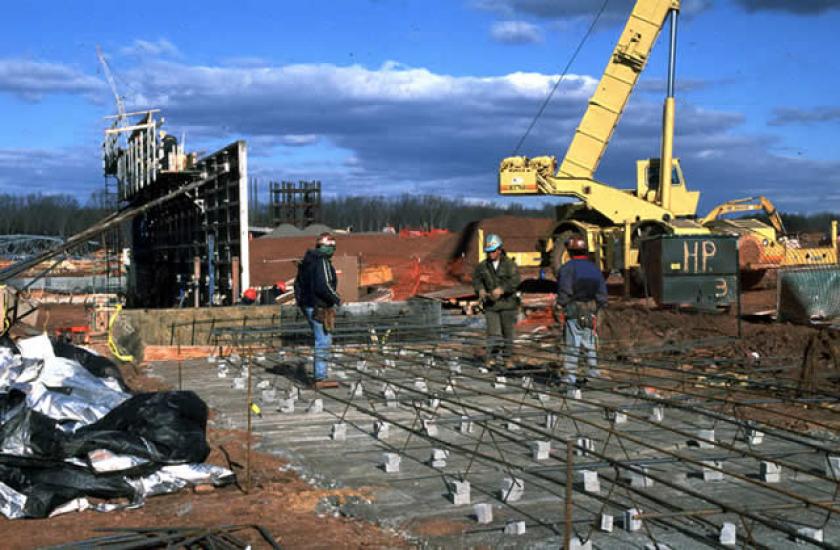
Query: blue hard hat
(492, 242)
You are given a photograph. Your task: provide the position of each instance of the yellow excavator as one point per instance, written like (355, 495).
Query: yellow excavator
(614, 221)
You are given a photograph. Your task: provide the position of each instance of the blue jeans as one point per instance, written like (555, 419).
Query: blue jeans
(576, 338)
(323, 341)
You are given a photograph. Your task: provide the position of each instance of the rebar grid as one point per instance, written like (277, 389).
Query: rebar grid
(441, 380)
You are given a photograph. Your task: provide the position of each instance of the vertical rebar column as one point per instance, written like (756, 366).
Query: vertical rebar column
(248, 430)
(567, 530)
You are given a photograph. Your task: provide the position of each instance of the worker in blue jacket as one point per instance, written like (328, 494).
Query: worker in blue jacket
(316, 293)
(581, 294)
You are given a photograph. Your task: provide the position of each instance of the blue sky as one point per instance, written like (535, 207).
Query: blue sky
(391, 96)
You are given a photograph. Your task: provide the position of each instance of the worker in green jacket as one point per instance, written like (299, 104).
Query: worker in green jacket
(496, 281)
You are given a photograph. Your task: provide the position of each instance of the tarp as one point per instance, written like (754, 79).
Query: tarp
(69, 430)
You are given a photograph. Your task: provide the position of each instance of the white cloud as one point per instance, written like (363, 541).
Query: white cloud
(146, 48)
(397, 129)
(516, 32)
(31, 80)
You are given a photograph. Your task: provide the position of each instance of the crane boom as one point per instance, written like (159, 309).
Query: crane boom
(111, 82)
(607, 104)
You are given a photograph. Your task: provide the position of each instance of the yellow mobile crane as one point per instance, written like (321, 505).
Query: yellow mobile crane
(614, 220)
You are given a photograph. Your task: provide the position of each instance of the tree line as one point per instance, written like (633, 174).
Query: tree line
(64, 215)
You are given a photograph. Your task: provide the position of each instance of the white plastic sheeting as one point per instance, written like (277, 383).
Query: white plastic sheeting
(65, 391)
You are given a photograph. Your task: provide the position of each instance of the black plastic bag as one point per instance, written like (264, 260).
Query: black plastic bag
(166, 427)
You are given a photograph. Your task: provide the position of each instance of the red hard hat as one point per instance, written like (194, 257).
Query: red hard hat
(251, 294)
(280, 285)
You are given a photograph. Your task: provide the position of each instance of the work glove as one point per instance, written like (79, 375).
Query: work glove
(329, 320)
(497, 293)
(559, 314)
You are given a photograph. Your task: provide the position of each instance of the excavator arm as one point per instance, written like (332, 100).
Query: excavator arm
(748, 204)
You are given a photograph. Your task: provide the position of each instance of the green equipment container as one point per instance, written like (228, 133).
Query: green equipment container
(698, 270)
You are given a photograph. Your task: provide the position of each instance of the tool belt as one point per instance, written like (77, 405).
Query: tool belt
(585, 313)
(325, 316)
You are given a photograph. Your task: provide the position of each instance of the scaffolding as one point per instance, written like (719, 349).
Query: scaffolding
(296, 204)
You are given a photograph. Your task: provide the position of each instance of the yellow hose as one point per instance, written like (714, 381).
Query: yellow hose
(112, 345)
(6, 323)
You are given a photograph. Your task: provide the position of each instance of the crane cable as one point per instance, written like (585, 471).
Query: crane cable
(562, 75)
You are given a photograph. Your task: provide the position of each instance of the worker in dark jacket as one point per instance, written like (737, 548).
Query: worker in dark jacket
(316, 293)
(581, 294)
(496, 280)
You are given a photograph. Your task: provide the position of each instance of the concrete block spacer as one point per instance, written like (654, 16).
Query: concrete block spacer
(392, 463)
(339, 432)
(576, 544)
(631, 523)
(616, 417)
(316, 406)
(808, 534)
(657, 413)
(832, 467)
(770, 472)
(483, 512)
(541, 450)
(638, 480)
(591, 484)
(381, 429)
(583, 445)
(515, 527)
(438, 458)
(709, 473)
(459, 492)
(728, 534)
(512, 489)
(430, 427)
(606, 524)
(705, 439)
